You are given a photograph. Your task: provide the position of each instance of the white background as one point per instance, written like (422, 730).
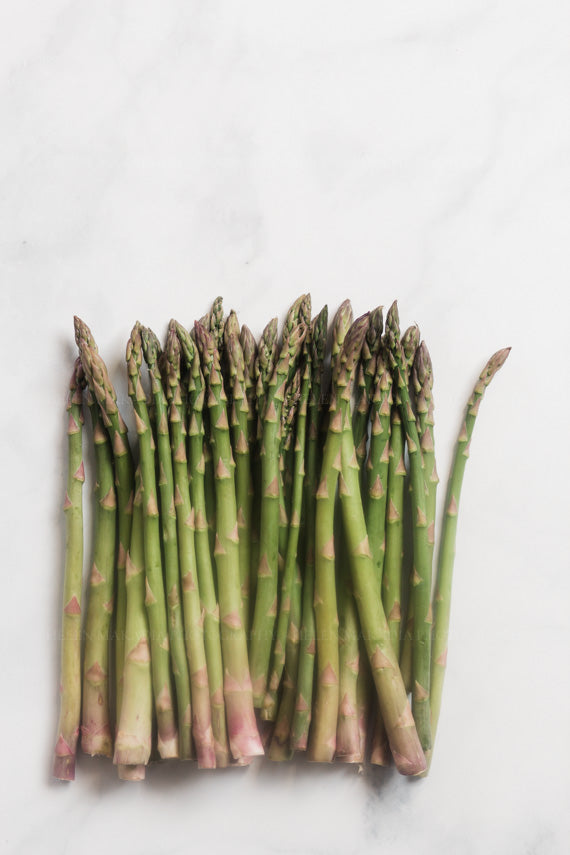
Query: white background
(154, 155)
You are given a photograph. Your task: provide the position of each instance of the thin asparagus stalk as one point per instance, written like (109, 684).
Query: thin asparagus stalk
(96, 737)
(242, 729)
(377, 466)
(392, 575)
(210, 609)
(392, 698)
(155, 598)
(421, 577)
(422, 378)
(366, 376)
(239, 428)
(446, 556)
(134, 732)
(185, 517)
(307, 650)
(100, 385)
(169, 532)
(70, 685)
(348, 734)
(270, 705)
(249, 350)
(267, 575)
(346, 349)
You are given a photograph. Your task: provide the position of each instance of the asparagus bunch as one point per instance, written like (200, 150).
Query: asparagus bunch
(263, 504)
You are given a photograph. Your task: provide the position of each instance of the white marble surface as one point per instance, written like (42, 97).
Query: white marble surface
(153, 155)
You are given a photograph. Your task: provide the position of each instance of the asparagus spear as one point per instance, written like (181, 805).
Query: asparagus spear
(242, 729)
(155, 598)
(100, 385)
(134, 732)
(206, 586)
(366, 375)
(422, 378)
(421, 578)
(169, 532)
(70, 685)
(345, 352)
(446, 556)
(377, 465)
(267, 575)
(96, 735)
(394, 706)
(348, 735)
(192, 611)
(306, 668)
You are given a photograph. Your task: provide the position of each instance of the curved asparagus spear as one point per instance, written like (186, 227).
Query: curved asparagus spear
(242, 728)
(307, 650)
(96, 737)
(134, 731)
(70, 684)
(155, 598)
(392, 698)
(239, 427)
(267, 575)
(421, 577)
(212, 641)
(346, 349)
(192, 610)
(169, 532)
(100, 385)
(446, 556)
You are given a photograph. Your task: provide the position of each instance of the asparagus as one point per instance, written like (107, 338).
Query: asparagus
(345, 352)
(267, 574)
(155, 597)
(239, 424)
(421, 577)
(284, 624)
(100, 385)
(392, 575)
(242, 730)
(96, 737)
(134, 732)
(446, 557)
(70, 685)
(169, 532)
(377, 465)
(306, 668)
(206, 586)
(366, 375)
(394, 707)
(422, 377)
(348, 734)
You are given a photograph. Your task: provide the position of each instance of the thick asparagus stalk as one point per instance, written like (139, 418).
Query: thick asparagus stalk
(206, 585)
(96, 737)
(185, 517)
(421, 577)
(242, 728)
(267, 575)
(348, 734)
(155, 598)
(134, 732)
(169, 532)
(70, 685)
(100, 385)
(392, 698)
(307, 642)
(446, 556)
(345, 353)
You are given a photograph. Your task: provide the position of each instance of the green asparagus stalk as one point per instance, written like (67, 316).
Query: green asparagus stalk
(249, 350)
(206, 585)
(377, 465)
(239, 425)
(422, 378)
(100, 385)
(366, 375)
(96, 737)
(392, 698)
(155, 597)
(307, 641)
(169, 532)
(134, 732)
(345, 353)
(392, 575)
(70, 685)
(446, 556)
(242, 730)
(421, 577)
(348, 734)
(267, 575)
(270, 704)
(191, 607)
